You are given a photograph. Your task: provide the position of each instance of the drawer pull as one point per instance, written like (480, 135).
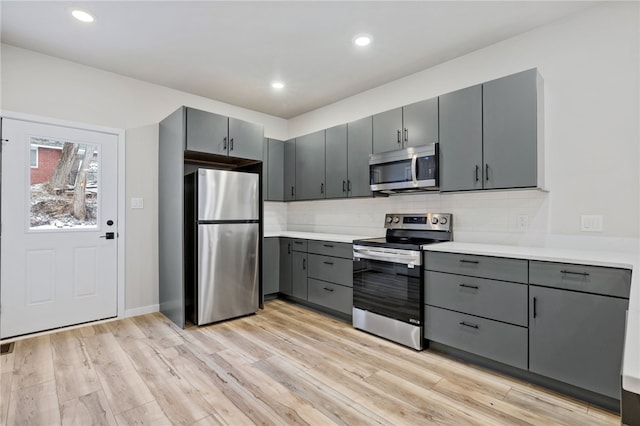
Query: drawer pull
(475, 287)
(466, 324)
(584, 274)
(297, 242)
(328, 245)
(328, 289)
(327, 263)
(535, 310)
(475, 262)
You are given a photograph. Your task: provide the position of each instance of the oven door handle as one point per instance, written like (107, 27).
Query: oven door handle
(414, 170)
(409, 258)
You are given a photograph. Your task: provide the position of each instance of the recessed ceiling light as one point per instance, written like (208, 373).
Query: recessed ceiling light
(277, 85)
(362, 40)
(81, 15)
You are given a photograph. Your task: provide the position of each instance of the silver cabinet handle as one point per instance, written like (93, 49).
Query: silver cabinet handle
(477, 171)
(466, 324)
(486, 172)
(399, 140)
(584, 274)
(224, 143)
(231, 144)
(406, 134)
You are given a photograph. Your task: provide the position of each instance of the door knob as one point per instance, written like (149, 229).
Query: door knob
(109, 235)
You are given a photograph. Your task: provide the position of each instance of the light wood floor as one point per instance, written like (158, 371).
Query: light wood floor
(285, 365)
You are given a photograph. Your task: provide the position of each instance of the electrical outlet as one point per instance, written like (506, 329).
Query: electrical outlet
(522, 222)
(591, 223)
(137, 203)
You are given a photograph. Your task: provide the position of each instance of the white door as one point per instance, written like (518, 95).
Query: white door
(59, 212)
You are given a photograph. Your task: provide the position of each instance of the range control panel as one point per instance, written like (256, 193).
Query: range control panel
(422, 221)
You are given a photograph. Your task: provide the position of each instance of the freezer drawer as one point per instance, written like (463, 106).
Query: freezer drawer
(227, 271)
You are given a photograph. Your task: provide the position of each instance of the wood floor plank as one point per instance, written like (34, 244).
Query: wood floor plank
(7, 362)
(5, 396)
(146, 414)
(89, 409)
(74, 372)
(35, 405)
(34, 362)
(285, 365)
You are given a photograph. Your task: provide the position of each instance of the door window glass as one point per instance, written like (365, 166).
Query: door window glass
(64, 184)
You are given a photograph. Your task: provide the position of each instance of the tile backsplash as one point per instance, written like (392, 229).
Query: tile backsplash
(488, 217)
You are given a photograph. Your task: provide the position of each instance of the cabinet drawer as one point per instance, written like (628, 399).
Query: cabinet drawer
(329, 248)
(298, 244)
(332, 269)
(332, 296)
(491, 339)
(498, 300)
(497, 268)
(589, 279)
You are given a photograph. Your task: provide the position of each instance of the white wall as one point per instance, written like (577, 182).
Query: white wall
(590, 66)
(589, 63)
(49, 87)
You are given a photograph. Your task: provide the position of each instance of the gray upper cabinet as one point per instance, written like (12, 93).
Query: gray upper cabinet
(420, 123)
(461, 140)
(245, 139)
(387, 130)
(273, 170)
(412, 125)
(207, 132)
(510, 130)
(336, 162)
(216, 134)
(359, 147)
(289, 175)
(310, 152)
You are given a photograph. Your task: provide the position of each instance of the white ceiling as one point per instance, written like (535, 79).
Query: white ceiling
(231, 51)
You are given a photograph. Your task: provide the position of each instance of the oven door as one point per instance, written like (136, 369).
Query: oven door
(388, 282)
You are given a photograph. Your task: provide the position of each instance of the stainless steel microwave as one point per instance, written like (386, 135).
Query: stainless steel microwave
(404, 170)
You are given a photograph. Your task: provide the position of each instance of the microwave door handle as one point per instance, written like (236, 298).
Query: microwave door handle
(414, 170)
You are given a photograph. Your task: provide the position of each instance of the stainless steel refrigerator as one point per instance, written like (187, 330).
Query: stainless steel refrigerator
(222, 217)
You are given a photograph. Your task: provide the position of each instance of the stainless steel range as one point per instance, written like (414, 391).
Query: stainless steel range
(388, 294)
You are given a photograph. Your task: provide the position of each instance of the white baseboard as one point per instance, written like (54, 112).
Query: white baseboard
(141, 310)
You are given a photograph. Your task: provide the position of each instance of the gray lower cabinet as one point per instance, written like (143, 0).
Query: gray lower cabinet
(359, 147)
(461, 166)
(289, 175)
(574, 336)
(336, 162)
(310, 162)
(270, 265)
(273, 170)
(211, 133)
(497, 268)
(330, 275)
(286, 266)
(299, 273)
(495, 340)
(510, 130)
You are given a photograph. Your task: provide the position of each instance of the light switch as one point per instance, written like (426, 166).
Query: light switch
(137, 203)
(591, 223)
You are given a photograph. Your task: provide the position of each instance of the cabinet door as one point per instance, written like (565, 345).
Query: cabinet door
(206, 132)
(245, 139)
(336, 162)
(289, 177)
(286, 255)
(577, 338)
(310, 166)
(461, 140)
(387, 131)
(510, 131)
(420, 123)
(359, 147)
(275, 171)
(270, 265)
(299, 275)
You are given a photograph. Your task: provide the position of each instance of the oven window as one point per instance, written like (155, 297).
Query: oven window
(389, 289)
(399, 171)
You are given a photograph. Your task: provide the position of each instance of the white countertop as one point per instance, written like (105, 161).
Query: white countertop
(613, 259)
(338, 238)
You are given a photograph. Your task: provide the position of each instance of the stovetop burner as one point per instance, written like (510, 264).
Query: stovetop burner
(412, 231)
